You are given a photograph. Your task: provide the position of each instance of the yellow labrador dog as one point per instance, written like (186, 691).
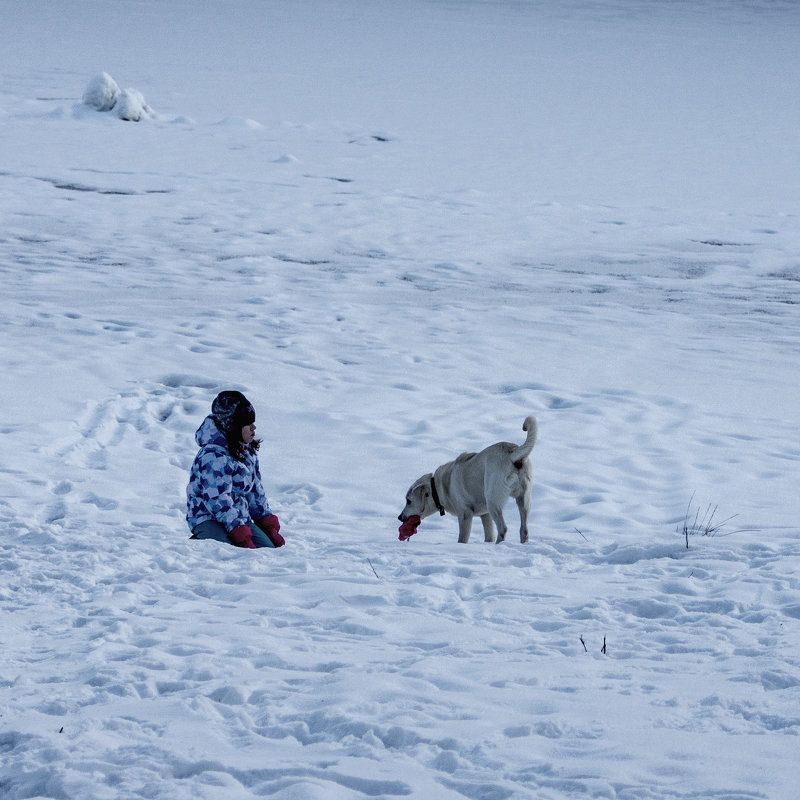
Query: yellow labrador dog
(476, 485)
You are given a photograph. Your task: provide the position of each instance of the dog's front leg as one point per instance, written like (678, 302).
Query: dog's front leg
(488, 528)
(464, 528)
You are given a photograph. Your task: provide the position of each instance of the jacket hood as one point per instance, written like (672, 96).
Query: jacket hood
(209, 433)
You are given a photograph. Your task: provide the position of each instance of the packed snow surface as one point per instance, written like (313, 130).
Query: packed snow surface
(399, 229)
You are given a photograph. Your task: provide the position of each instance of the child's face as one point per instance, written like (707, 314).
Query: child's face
(249, 433)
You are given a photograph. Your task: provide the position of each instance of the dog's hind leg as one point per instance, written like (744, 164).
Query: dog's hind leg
(496, 491)
(488, 528)
(524, 501)
(524, 506)
(464, 528)
(497, 517)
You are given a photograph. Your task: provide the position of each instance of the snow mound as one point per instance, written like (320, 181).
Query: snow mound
(103, 94)
(131, 106)
(239, 123)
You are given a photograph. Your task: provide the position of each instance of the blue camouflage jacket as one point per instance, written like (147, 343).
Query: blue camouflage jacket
(220, 487)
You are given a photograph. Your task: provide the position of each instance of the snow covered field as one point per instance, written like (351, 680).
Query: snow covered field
(399, 228)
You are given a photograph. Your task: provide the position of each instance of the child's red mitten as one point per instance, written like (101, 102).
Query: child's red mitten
(409, 528)
(242, 536)
(271, 526)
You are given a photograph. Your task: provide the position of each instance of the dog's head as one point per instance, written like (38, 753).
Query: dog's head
(419, 499)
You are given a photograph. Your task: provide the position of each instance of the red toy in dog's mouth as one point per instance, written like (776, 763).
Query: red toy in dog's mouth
(409, 528)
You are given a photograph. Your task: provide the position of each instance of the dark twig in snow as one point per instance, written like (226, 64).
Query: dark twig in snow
(705, 523)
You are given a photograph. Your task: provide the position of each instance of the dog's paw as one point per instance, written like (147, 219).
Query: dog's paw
(409, 528)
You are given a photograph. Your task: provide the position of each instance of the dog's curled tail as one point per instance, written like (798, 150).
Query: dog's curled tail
(523, 451)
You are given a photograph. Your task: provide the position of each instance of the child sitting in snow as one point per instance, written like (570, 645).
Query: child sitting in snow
(225, 498)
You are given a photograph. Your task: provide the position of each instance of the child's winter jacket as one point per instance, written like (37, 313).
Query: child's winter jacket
(220, 487)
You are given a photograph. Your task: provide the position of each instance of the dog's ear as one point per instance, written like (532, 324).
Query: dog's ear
(420, 489)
